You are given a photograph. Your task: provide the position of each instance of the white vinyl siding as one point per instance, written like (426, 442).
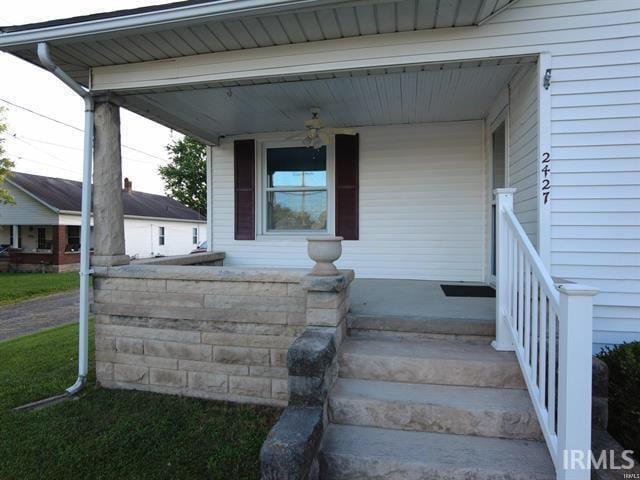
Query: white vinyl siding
(142, 237)
(523, 149)
(26, 211)
(517, 106)
(422, 207)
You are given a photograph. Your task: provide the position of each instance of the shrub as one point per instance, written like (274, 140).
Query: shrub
(624, 393)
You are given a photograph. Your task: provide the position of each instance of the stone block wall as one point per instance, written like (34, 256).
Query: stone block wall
(212, 332)
(291, 448)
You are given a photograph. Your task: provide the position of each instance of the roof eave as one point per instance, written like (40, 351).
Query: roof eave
(173, 16)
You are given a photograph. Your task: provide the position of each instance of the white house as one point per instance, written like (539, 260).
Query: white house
(42, 229)
(491, 142)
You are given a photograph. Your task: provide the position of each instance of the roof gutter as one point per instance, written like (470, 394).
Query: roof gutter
(85, 229)
(147, 20)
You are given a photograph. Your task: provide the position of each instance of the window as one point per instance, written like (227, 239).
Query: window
(73, 238)
(194, 236)
(160, 235)
(11, 235)
(296, 189)
(42, 239)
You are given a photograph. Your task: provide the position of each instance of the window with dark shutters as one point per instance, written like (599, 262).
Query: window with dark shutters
(245, 185)
(347, 160)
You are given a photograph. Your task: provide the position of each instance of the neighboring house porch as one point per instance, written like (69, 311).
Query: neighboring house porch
(41, 248)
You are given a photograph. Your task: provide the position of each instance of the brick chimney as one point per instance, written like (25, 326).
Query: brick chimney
(128, 185)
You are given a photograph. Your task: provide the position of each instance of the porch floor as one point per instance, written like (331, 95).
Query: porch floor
(416, 299)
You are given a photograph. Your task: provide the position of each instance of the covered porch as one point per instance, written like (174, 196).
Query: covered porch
(402, 167)
(411, 193)
(421, 306)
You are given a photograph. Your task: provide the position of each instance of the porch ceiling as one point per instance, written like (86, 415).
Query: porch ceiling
(199, 26)
(416, 94)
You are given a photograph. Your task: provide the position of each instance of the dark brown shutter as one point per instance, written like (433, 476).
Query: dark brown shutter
(244, 170)
(347, 159)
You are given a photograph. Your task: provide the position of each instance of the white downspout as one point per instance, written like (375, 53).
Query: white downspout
(85, 230)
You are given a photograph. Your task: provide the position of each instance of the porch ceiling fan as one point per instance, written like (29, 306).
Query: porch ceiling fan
(317, 134)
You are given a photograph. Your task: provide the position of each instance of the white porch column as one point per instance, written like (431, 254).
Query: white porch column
(209, 198)
(107, 188)
(504, 202)
(575, 337)
(15, 229)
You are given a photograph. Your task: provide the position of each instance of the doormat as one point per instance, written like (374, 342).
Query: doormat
(468, 291)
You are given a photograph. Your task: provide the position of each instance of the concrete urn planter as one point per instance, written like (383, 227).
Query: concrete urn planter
(324, 251)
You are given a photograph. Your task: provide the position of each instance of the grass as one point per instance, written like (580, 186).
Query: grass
(114, 434)
(15, 287)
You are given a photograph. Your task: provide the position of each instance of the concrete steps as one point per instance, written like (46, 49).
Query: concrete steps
(429, 361)
(430, 408)
(423, 327)
(354, 452)
(489, 412)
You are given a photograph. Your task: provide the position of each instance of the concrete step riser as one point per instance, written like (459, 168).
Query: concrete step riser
(432, 371)
(434, 418)
(361, 333)
(335, 466)
(442, 326)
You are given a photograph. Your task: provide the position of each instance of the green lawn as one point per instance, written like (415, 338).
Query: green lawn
(21, 286)
(110, 434)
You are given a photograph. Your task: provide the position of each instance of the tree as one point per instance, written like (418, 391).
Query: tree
(5, 164)
(185, 178)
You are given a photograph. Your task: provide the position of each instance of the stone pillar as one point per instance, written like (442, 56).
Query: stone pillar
(291, 448)
(328, 302)
(108, 216)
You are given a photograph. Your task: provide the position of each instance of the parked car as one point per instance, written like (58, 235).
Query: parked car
(202, 247)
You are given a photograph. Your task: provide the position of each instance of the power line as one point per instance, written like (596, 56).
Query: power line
(74, 127)
(42, 115)
(20, 157)
(25, 139)
(39, 149)
(18, 137)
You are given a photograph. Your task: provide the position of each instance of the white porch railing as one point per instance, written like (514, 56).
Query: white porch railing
(550, 330)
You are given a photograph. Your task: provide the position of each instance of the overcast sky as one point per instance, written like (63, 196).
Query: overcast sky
(45, 147)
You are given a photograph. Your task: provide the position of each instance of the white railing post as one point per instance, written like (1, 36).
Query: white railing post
(575, 320)
(16, 235)
(504, 201)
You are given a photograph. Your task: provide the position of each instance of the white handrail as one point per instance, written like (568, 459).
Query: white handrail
(529, 250)
(550, 330)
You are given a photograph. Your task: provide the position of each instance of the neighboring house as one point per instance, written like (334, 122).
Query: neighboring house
(478, 141)
(42, 230)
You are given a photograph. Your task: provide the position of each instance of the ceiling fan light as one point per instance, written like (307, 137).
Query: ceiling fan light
(317, 143)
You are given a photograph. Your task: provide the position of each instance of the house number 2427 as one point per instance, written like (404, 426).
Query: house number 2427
(546, 182)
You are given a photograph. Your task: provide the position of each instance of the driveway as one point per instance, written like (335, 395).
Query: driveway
(33, 315)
